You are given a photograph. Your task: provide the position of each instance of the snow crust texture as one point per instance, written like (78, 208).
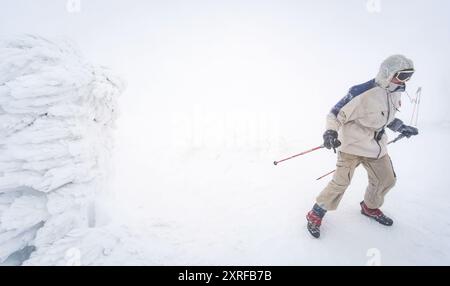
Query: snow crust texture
(57, 113)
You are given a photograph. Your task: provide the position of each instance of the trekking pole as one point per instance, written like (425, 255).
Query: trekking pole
(415, 113)
(392, 141)
(396, 139)
(326, 175)
(419, 94)
(303, 153)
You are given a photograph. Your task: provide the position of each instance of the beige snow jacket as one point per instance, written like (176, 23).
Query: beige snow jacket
(367, 109)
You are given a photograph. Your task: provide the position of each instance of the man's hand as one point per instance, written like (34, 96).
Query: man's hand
(397, 126)
(330, 140)
(408, 131)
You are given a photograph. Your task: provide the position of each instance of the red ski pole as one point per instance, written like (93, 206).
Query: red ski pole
(303, 153)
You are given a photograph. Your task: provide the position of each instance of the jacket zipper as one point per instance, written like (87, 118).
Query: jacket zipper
(389, 109)
(387, 120)
(379, 146)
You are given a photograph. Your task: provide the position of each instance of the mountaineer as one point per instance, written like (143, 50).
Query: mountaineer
(356, 125)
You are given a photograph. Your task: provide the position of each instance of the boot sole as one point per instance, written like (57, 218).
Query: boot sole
(385, 224)
(315, 235)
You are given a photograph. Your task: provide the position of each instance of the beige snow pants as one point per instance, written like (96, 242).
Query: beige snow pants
(381, 179)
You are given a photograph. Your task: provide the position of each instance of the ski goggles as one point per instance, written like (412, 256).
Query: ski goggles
(404, 76)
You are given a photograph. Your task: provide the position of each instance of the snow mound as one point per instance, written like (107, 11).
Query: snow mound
(107, 245)
(57, 112)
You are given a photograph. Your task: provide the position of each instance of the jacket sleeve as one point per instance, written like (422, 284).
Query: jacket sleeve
(347, 109)
(395, 125)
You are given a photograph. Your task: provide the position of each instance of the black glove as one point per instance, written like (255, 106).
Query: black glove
(408, 131)
(397, 126)
(330, 140)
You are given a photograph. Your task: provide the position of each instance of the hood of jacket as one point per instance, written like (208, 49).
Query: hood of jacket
(390, 66)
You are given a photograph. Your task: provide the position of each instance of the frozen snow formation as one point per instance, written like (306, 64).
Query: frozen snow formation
(57, 112)
(107, 245)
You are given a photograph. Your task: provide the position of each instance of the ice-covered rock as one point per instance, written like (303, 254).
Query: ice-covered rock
(57, 112)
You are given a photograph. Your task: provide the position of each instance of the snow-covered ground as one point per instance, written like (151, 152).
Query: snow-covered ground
(237, 208)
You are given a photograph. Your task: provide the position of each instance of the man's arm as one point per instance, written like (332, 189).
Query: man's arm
(345, 110)
(398, 126)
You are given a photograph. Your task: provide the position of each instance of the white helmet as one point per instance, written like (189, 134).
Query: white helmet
(390, 67)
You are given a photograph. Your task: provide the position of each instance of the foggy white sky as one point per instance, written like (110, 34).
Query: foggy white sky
(292, 59)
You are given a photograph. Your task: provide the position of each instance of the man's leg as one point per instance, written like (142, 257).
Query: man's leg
(382, 178)
(330, 197)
